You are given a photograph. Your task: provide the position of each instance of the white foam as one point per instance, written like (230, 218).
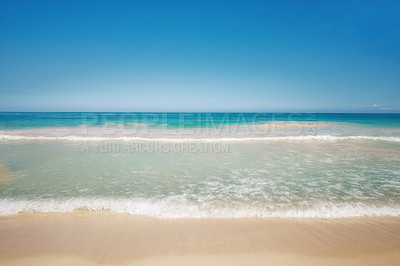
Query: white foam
(173, 208)
(211, 139)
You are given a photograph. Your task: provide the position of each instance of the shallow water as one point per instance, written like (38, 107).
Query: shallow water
(335, 169)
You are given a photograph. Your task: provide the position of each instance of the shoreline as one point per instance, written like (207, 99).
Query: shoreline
(89, 238)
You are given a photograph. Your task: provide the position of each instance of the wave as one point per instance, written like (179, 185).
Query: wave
(168, 208)
(210, 139)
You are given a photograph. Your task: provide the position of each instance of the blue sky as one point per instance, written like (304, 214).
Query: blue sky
(304, 56)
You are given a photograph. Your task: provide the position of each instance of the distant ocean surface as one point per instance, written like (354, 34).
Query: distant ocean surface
(201, 165)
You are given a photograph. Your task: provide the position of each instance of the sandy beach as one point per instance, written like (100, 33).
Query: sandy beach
(190, 133)
(84, 238)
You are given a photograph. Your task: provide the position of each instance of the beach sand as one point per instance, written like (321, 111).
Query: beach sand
(88, 238)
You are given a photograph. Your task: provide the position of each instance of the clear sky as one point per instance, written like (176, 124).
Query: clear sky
(200, 55)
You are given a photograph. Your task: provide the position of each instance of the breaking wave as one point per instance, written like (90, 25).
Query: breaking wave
(208, 139)
(172, 208)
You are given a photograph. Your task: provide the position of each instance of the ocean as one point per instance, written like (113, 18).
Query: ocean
(201, 165)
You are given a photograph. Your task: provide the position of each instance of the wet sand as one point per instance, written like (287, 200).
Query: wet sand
(85, 238)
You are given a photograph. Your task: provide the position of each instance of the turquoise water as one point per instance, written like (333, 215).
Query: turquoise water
(38, 120)
(201, 165)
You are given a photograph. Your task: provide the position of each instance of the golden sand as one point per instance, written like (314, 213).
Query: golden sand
(117, 239)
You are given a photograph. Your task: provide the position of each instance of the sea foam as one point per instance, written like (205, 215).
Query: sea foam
(208, 139)
(169, 208)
